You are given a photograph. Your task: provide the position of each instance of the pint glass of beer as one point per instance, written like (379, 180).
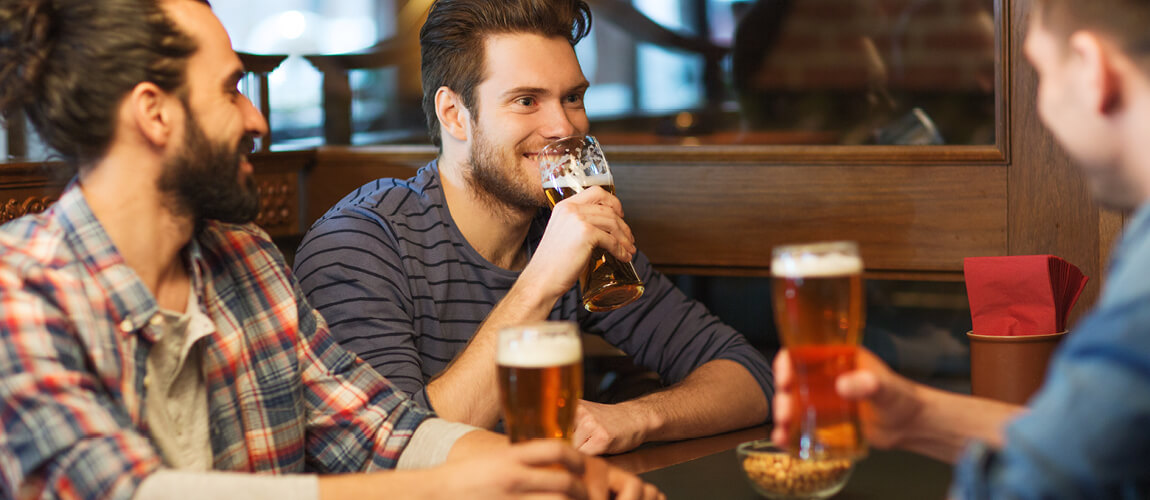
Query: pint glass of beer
(819, 307)
(540, 368)
(568, 166)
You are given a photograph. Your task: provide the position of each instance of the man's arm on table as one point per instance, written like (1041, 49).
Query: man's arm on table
(480, 465)
(718, 396)
(899, 413)
(719, 382)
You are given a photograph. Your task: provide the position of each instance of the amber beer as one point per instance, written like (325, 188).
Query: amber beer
(818, 299)
(540, 369)
(568, 167)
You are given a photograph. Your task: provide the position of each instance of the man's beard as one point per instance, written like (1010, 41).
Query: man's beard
(203, 179)
(492, 175)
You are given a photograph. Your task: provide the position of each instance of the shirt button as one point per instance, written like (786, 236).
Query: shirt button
(126, 326)
(147, 381)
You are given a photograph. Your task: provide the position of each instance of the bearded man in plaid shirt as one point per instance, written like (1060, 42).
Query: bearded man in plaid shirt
(152, 341)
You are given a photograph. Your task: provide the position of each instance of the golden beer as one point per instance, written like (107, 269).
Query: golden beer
(540, 370)
(606, 283)
(819, 308)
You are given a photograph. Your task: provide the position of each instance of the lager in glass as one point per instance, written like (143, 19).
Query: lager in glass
(818, 297)
(568, 166)
(540, 369)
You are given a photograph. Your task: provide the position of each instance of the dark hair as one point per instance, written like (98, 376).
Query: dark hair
(68, 63)
(452, 41)
(1125, 20)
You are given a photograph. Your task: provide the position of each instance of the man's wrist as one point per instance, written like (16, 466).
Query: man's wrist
(534, 291)
(651, 423)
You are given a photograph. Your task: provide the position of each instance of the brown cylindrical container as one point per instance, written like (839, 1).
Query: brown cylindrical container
(1009, 368)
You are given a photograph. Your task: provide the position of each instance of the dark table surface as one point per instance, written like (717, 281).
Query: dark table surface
(707, 468)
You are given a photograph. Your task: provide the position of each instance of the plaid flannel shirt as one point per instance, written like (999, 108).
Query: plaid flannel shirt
(75, 329)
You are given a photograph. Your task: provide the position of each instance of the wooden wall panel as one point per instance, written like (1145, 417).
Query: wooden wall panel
(906, 218)
(709, 217)
(340, 169)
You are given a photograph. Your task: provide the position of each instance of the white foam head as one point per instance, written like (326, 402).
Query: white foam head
(537, 346)
(580, 182)
(815, 265)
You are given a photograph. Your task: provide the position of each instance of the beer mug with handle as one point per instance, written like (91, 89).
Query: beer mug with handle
(568, 166)
(540, 369)
(818, 297)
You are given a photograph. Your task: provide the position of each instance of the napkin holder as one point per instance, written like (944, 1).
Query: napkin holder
(1010, 368)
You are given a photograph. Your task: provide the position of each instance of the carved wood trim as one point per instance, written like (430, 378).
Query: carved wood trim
(15, 208)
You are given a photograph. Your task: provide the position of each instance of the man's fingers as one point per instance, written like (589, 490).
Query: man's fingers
(550, 483)
(857, 385)
(591, 445)
(629, 488)
(784, 407)
(549, 452)
(782, 368)
(599, 196)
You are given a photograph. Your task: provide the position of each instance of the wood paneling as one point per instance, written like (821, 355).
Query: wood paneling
(723, 217)
(28, 188)
(31, 187)
(279, 177)
(905, 218)
(340, 169)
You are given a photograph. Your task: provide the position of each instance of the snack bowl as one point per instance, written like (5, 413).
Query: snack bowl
(774, 473)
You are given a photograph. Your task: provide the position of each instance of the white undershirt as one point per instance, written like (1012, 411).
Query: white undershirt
(177, 415)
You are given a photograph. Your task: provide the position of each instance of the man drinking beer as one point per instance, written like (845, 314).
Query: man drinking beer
(419, 275)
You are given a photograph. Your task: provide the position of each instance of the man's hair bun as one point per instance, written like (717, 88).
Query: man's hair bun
(26, 44)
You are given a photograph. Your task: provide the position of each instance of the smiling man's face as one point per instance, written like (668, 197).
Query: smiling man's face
(532, 95)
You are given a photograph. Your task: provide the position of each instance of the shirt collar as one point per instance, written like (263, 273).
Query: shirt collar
(134, 303)
(1135, 232)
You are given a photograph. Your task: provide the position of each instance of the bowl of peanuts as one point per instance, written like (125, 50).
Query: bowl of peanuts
(776, 474)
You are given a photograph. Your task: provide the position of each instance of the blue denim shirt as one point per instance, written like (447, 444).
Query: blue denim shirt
(1087, 434)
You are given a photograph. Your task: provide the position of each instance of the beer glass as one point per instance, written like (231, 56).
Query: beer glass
(568, 166)
(818, 297)
(540, 369)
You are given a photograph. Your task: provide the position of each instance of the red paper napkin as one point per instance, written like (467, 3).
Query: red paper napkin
(1021, 294)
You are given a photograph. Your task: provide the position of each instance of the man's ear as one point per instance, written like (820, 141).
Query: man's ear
(1101, 83)
(154, 113)
(454, 118)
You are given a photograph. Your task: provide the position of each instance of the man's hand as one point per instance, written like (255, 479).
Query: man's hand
(589, 220)
(605, 480)
(601, 428)
(537, 467)
(889, 401)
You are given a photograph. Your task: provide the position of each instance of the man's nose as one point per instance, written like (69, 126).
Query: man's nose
(254, 121)
(558, 123)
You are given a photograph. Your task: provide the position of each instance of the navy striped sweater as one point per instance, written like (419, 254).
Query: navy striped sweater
(400, 286)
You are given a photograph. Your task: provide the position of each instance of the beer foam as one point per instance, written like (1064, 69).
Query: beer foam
(540, 352)
(815, 266)
(578, 182)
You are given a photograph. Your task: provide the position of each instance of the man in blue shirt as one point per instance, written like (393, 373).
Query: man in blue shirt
(1085, 434)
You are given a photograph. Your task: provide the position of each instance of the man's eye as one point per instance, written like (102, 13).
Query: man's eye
(525, 101)
(574, 99)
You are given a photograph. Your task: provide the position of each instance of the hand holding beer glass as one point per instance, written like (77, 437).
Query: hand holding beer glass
(540, 368)
(568, 166)
(818, 297)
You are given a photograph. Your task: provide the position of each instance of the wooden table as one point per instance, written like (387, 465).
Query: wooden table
(707, 468)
